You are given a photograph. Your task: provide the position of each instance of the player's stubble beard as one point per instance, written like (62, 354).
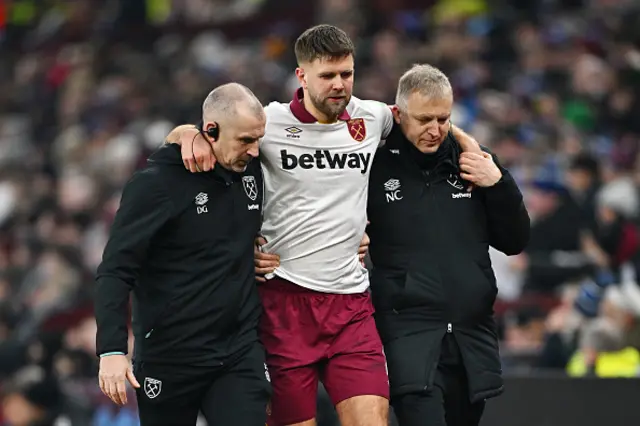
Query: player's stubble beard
(331, 110)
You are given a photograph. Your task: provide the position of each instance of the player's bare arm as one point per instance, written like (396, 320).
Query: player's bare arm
(466, 141)
(197, 155)
(176, 133)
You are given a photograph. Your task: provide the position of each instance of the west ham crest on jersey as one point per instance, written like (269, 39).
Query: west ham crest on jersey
(357, 129)
(250, 187)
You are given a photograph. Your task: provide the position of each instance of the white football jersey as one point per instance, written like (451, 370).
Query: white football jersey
(316, 180)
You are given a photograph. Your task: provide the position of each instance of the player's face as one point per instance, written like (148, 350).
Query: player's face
(238, 141)
(328, 83)
(425, 122)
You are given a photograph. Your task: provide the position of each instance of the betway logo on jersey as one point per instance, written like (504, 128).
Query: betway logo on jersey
(325, 159)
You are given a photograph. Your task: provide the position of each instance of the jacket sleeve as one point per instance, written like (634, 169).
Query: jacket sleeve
(508, 219)
(144, 209)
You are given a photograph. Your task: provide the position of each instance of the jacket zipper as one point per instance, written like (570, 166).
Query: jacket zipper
(427, 176)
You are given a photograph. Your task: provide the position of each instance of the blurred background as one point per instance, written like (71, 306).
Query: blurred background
(88, 88)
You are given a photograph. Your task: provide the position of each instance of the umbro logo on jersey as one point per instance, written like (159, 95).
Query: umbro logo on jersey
(323, 159)
(293, 132)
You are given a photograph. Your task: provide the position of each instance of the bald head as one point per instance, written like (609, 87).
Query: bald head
(241, 121)
(225, 101)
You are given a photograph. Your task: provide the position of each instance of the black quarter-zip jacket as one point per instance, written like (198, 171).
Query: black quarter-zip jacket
(182, 244)
(431, 273)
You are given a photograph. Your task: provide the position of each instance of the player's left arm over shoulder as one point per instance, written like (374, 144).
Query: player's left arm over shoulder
(508, 220)
(386, 120)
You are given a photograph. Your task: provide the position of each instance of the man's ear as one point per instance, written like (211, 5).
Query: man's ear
(301, 77)
(212, 131)
(396, 113)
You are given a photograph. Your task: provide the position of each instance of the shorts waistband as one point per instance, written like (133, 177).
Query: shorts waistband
(286, 286)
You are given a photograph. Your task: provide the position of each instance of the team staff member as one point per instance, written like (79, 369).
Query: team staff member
(432, 283)
(183, 244)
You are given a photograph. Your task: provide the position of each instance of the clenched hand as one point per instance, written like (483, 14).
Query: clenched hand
(479, 169)
(265, 263)
(197, 152)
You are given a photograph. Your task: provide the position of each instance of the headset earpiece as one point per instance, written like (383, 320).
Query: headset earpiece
(213, 132)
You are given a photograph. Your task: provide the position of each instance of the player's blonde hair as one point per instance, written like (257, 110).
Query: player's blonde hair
(424, 79)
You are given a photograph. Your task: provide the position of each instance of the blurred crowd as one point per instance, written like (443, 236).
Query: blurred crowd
(88, 88)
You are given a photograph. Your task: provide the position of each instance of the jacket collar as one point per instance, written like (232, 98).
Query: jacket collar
(300, 112)
(225, 175)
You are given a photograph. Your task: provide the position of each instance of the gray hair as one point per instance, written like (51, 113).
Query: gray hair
(427, 80)
(224, 101)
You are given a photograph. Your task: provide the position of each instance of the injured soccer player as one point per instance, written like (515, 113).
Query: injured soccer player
(316, 157)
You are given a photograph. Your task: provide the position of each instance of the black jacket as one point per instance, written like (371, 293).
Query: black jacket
(183, 244)
(432, 274)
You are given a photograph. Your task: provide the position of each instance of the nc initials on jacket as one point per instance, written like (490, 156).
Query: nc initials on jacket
(393, 195)
(323, 159)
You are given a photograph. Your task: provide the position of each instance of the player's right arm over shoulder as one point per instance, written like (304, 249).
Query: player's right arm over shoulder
(144, 209)
(197, 152)
(197, 155)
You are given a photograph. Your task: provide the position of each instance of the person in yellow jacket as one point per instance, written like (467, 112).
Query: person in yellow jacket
(622, 363)
(606, 349)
